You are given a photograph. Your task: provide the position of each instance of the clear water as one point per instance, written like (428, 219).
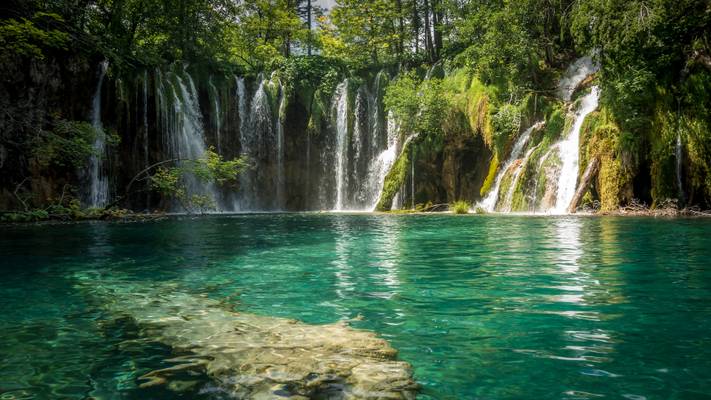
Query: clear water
(482, 307)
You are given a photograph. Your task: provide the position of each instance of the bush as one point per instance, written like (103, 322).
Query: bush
(460, 207)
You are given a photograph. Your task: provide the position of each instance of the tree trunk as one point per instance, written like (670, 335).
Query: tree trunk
(437, 31)
(416, 26)
(401, 29)
(428, 34)
(308, 18)
(590, 172)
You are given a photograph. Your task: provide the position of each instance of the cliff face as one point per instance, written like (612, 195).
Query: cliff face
(313, 149)
(33, 93)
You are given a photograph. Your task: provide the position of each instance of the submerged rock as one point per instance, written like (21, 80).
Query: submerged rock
(257, 357)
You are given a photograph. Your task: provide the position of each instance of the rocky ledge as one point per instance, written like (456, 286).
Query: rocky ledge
(257, 357)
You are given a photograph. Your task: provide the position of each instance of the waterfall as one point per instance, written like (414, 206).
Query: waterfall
(279, 129)
(184, 135)
(380, 167)
(359, 144)
(575, 74)
(256, 142)
(679, 164)
(216, 118)
(241, 108)
(241, 96)
(489, 202)
(341, 106)
(99, 185)
(569, 154)
(508, 199)
(146, 155)
(362, 155)
(399, 198)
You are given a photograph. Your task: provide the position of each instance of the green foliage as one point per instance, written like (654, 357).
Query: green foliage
(26, 216)
(31, 38)
(69, 144)
(211, 168)
(655, 47)
(460, 207)
(555, 124)
(361, 32)
(401, 98)
(315, 72)
(417, 105)
(506, 123)
(600, 138)
(65, 209)
(490, 176)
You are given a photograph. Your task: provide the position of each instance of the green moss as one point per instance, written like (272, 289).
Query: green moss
(600, 138)
(506, 183)
(553, 161)
(394, 179)
(491, 176)
(555, 124)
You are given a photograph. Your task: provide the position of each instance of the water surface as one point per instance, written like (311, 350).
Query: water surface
(486, 307)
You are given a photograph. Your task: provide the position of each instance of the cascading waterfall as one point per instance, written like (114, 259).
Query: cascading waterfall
(216, 116)
(241, 107)
(238, 202)
(359, 138)
(99, 184)
(279, 129)
(508, 199)
(146, 154)
(399, 198)
(341, 107)
(569, 154)
(365, 145)
(490, 201)
(183, 132)
(575, 74)
(256, 143)
(379, 169)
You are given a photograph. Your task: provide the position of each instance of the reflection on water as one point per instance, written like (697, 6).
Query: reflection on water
(342, 261)
(386, 255)
(482, 307)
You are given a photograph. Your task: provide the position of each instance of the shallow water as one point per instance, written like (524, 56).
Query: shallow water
(490, 307)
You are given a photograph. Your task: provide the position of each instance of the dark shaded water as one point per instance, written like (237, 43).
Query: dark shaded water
(482, 307)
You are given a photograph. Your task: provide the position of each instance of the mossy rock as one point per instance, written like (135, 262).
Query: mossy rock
(395, 179)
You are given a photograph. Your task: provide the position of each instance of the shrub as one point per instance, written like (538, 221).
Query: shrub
(460, 207)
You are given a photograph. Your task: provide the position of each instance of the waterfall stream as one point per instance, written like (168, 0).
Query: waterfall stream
(569, 154)
(183, 132)
(383, 161)
(575, 74)
(279, 129)
(490, 201)
(262, 185)
(341, 107)
(146, 154)
(365, 145)
(99, 181)
(216, 116)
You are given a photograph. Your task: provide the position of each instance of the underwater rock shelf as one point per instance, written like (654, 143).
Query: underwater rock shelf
(257, 357)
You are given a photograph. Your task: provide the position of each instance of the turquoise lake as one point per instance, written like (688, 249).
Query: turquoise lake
(482, 307)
